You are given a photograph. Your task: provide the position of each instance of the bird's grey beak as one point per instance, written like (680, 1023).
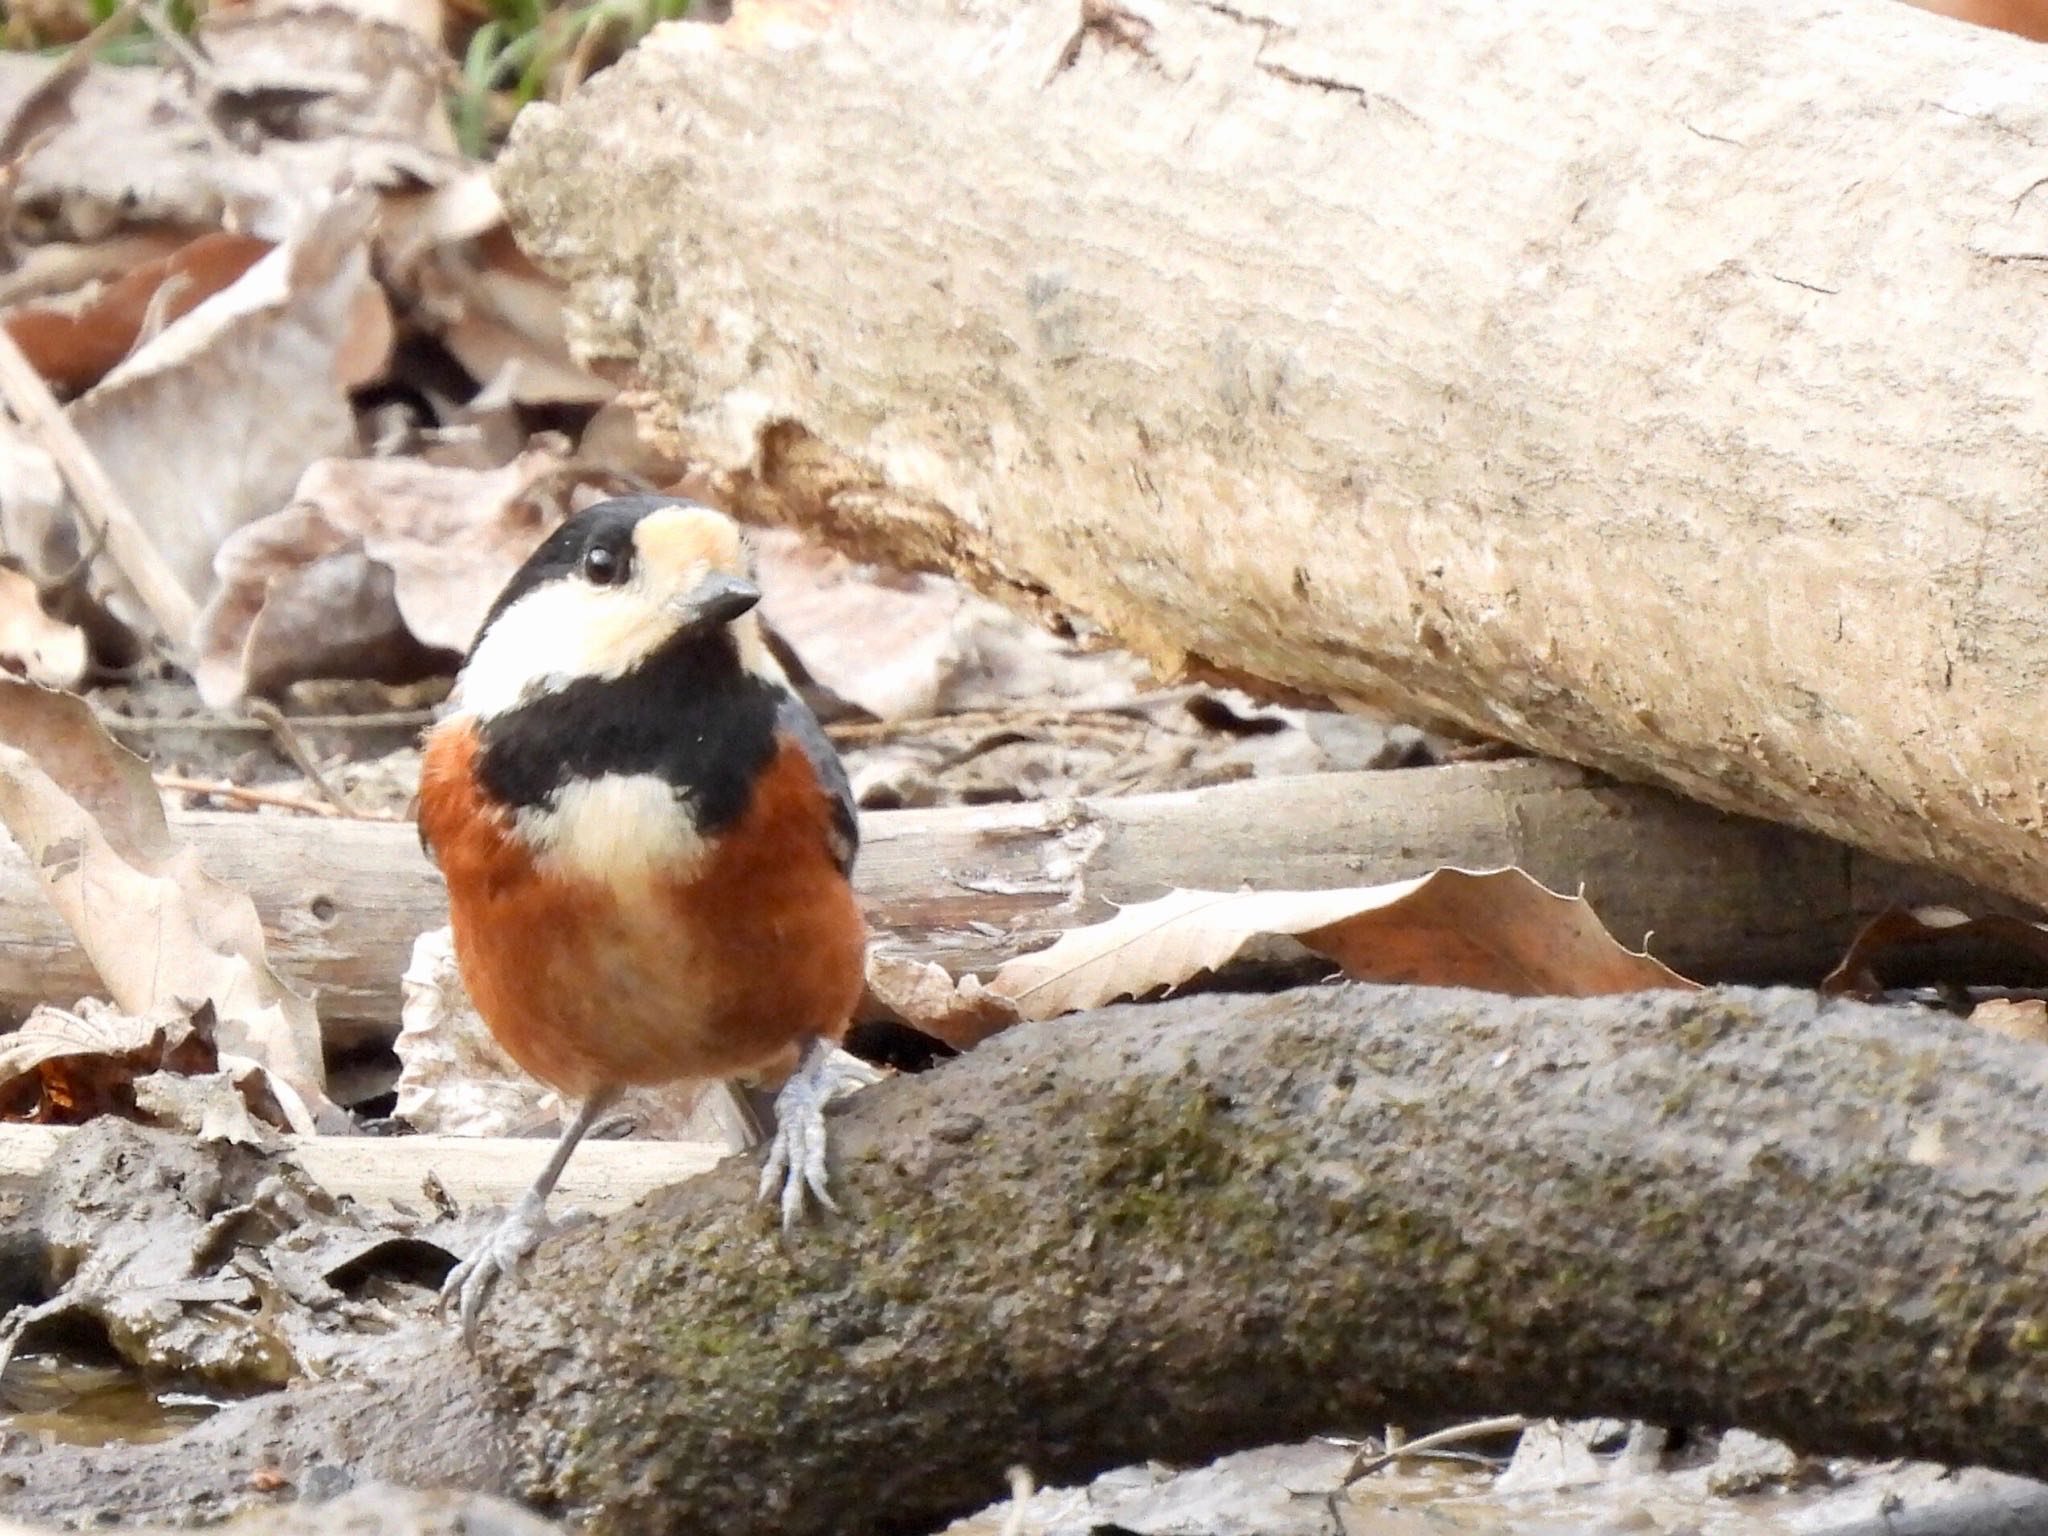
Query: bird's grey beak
(718, 599)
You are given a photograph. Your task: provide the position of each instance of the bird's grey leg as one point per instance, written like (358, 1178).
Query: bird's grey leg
(796, 1157)
(470, 1282)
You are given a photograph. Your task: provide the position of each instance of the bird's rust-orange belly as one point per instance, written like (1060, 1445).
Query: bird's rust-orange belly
(588, 983)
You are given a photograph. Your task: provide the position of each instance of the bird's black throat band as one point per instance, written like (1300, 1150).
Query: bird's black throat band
(689, 714)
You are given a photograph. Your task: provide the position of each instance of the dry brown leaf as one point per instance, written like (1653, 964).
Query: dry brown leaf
(288, 107)
(60, 269)
(924, 995)
(1496, 930)
(504, 320)
(75, 346)
(210, 424)
(1902, 928)
(619, 436)
(213, 1106)
(455, 1080)
(374, 561)
(904, 646)
(451, 538)
(65, 1066)
(419, 223)
(2017, 1018)
(161, 932)
(335, 75)
(32, 644)
(285, 612)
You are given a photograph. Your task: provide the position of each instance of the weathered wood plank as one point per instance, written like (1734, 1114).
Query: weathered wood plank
(1720, 897)
(603, 1176)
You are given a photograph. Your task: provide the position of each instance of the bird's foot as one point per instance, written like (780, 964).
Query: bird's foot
(796, 1157)
(469, 1284)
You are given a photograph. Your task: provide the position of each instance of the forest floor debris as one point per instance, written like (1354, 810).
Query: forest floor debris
(292, 335)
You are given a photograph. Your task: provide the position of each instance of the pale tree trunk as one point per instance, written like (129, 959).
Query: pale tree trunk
(1656, 383)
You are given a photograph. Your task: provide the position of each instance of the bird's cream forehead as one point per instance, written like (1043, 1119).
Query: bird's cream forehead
(568, 629)
(688, 543)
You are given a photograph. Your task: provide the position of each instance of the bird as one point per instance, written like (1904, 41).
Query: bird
(648, 844)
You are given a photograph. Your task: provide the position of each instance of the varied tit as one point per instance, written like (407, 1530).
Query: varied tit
(647, 841)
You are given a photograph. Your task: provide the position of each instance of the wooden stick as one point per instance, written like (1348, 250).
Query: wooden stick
(1365, 1463)
(301, 756)
(1719, 897)
(483, 1170)
(128, 543)
(243, 794)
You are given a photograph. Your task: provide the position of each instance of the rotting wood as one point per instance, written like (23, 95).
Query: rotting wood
(1175, 1230)
(1720, 898)
(604, 1176)
(1559, 369)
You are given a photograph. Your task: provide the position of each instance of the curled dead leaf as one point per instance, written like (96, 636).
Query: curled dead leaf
(210, 1105)
(1901, 929)
(210, 424)
(924, 995)
(903, 645)
(1495, 930)
(425, 18)
(374, 563)
(287, 106)
(64, 1066)
(74, 347)
(161, 932)
(504, 320)
(32, 644)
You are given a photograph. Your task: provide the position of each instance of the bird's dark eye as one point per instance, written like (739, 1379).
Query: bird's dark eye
(603, 567)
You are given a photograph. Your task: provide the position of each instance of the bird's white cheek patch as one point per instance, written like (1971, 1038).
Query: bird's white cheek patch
(554, 635)
(621, 829)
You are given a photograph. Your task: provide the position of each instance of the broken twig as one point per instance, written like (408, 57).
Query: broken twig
(128, 544)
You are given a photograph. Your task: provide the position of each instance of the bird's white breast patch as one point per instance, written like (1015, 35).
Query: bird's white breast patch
(620, 829)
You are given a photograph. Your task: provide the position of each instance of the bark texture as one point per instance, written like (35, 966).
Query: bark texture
(1721, 898)
(1175, 1233)
(1655, 383)
(1179, 1229)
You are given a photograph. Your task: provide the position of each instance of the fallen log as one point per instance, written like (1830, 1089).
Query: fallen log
(1172, 1230)
(605, 1176)
(1721, 898)
(1556, 370)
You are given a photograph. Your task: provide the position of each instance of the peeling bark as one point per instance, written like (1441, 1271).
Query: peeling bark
(1173, 1230)
(1654, 384)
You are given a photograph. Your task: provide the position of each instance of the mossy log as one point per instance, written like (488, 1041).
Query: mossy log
(1171, 1230)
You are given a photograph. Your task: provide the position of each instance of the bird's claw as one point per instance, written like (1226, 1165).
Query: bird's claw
(795, 1169)
(469, 1283)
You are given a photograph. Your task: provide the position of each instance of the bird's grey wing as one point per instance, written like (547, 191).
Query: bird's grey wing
(795, 717)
